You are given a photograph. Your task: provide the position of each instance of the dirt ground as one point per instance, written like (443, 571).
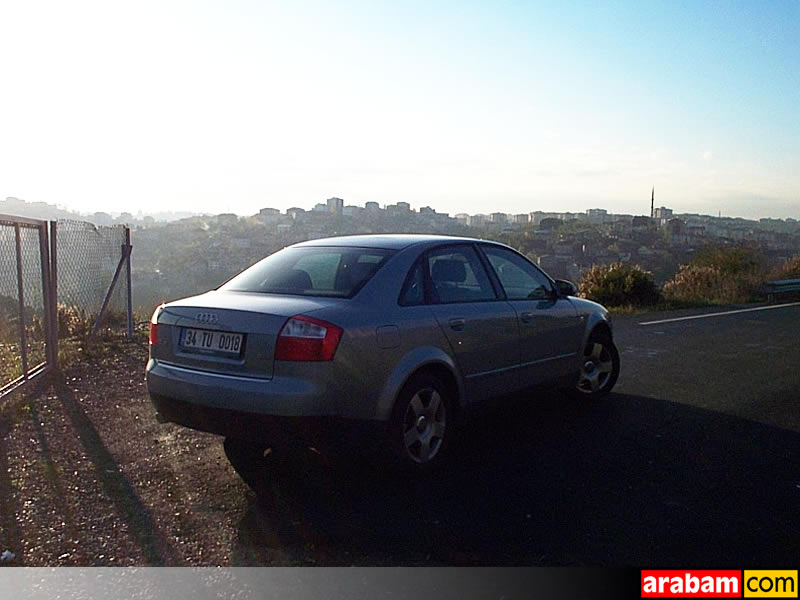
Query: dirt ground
(88, 477)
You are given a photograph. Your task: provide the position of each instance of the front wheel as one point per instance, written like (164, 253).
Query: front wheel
(599, 367)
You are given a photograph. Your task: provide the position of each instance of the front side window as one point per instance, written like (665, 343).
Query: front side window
(519, 278)
(457, 275)
(311, 271)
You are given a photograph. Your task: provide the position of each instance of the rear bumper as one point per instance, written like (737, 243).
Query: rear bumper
(279, 410)
(329, 432)
(279, 396)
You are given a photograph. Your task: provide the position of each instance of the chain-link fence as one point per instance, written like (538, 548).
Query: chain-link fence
(58, 278)
(87, 257)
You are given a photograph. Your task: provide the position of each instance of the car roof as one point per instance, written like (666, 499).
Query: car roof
(388, 241)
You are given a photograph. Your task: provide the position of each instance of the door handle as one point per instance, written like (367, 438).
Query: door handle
(526, 317)
(457, 324)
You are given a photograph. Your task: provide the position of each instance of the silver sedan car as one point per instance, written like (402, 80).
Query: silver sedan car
(392, 338)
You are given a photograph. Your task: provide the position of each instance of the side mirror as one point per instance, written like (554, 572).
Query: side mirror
(566, 288)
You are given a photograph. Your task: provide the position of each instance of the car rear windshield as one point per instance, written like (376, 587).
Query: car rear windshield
(311, 271)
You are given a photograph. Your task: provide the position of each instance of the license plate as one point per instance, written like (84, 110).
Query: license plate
(218, 342)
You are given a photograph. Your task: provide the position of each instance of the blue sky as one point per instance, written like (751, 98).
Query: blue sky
(464, 106)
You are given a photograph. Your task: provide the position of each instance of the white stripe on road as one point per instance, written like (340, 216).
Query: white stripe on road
(719, 314)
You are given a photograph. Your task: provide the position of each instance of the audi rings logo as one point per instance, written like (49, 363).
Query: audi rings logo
(207, 318)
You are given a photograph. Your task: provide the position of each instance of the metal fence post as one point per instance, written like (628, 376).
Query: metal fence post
(54, 289)
(23, 338)
(47, 310)
(128, 277)
(125, 252)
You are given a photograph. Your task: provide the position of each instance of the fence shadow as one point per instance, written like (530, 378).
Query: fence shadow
(118, 488)
(630, 481)
(10, 534)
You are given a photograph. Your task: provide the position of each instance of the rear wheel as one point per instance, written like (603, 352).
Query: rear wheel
(422, 424)
(600, 367)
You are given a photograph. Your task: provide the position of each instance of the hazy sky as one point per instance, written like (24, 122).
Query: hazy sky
(464, 106)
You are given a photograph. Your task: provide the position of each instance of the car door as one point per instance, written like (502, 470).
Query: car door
(550, 327)
(480, 327)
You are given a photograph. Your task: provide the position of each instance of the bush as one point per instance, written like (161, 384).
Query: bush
(619, 284)
(718, 276)
(72, 322)
(788, 270)
(694, 285)
(730, 260)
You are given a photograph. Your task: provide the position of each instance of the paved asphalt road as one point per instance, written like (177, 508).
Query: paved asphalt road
(693, 461)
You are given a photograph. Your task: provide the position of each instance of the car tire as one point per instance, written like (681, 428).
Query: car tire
(422, 425)
(599, 367)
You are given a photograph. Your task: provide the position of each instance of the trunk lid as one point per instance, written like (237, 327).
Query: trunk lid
(231, 333)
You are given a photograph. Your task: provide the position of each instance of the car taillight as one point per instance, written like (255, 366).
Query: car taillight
(307, 339)
(153, 337)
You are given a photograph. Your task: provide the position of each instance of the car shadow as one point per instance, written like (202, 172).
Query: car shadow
(627, 481)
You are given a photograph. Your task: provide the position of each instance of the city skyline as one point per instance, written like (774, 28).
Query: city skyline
(475, 108)
(40, 210)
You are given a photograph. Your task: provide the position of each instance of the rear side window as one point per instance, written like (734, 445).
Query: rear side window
(311, 271)
(457, 275)
(413, 293)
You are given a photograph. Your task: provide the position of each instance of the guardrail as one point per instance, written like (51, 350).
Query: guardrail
(785, 286)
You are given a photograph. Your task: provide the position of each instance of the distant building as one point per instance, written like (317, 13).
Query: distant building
(498, 218)
(675, 226)
(478, 220)
(295, 212)
(521, 219)
(269, 215)
(597, 216)
(462, 218)
(101, 218)
(335, 206)
(539, 216)
(662, 213)
(399, 209)
(126, 218)
(320, 207)
(549, 223)
(372, 207)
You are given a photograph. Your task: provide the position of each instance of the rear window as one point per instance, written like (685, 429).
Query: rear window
(312, 271)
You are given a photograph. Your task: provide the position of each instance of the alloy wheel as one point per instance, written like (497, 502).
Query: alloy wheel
(598, 366)
(424, 425)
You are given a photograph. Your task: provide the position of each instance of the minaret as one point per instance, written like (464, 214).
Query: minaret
(652, 200)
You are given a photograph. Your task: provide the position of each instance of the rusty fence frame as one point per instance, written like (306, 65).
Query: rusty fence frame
(31, 372)
(48, 235)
